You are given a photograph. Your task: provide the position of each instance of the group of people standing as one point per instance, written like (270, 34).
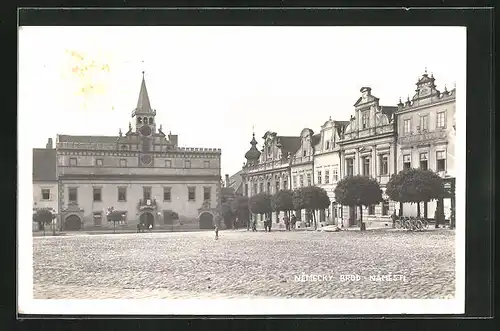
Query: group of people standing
(289, 223)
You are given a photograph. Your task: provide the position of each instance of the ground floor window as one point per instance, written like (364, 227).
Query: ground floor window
(371, 210)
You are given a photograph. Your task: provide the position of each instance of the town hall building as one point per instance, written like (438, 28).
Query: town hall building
(142, 173)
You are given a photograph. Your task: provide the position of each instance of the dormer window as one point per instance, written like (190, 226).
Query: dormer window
(269, 150)
(305, 153)
(327, 147)
(365, 119)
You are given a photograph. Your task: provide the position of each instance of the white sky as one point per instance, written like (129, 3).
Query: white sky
(210, 85)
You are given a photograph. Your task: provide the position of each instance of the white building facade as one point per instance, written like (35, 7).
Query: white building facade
(426, 138)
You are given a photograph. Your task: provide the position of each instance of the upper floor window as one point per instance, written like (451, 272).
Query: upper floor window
(246, 189)
(384, 164)
(191, 193)
(146, 193)
(167, 194)
(98, 162)
(187, 163)
(207, 193)
(327, 176)
(261, 188)
(301, 180)
(407, 126)
(406, 161)
(255, 189)
(168, 163)
(285, 184)
(440, 161)
(122, 194)
(294, 181)
(73, 162)
(350, 167)
(424, 157)
(45, 194)
(97, 194)
(366, 166)
(206, 164)
(424, 121)
(335, 174)
(319, 178)
(441, 120)
(123, 162)
(365, 119)
(268, 187)
(309, 183)
(277, 186)
(72, 194)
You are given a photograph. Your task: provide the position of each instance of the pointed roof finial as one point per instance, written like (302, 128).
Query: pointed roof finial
(445, 89)
(120, 132)
(426, 70)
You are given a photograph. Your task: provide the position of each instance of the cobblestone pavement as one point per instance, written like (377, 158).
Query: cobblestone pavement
(246, 264)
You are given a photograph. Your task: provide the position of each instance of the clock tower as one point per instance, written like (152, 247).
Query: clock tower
(145, 126)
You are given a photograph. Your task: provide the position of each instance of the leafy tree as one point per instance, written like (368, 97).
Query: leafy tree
(283, 201)
(358, 191)
(114, 216)
(415, 186)
(261, 204)
(43, 216)
(311, 198)
(241, 209)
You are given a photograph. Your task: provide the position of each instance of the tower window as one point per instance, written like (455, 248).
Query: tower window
(151, 120)
(139, 120)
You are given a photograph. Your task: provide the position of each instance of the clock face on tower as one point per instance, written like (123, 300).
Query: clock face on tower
(145, 130)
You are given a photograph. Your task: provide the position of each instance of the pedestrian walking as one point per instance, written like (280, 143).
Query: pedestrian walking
(269, 223)
(216, 232)
(293, 221)
(254, 226)
(150, 227)
(287, 223)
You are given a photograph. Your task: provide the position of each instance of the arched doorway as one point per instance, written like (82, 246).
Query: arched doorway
(147, 219)
(73, 223)
(206, 221)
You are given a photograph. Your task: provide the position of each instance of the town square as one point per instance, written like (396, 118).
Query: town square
(160, 174)
(242, 264)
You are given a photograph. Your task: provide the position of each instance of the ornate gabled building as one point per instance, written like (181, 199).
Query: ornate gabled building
(327, 166)
(368, 147)
(142, 173)
(426, 137)
(268, 170)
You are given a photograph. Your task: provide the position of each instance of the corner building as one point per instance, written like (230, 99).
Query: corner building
(143, 173)
(426, 139)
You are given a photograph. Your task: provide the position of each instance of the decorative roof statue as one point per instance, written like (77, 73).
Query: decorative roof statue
(120, 132)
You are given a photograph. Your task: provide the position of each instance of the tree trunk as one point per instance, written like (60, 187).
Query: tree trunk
(400, 209)
(43, 225)
(114, 227)
(362, 226)
(315, 220)
(53, 228)
(418, 209)
(425, 210)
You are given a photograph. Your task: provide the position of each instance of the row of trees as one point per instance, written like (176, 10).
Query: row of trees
(408, 186)
(310, 198)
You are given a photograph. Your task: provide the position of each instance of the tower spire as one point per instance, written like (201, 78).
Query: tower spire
(143, 104)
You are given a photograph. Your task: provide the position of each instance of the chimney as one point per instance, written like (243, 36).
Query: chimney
(49, 144)
(227, 180)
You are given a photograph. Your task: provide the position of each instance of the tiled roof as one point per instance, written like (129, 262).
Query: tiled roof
(44, 164)
(315, 139)
(88, 139)
(290, 144)
(235, 181)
